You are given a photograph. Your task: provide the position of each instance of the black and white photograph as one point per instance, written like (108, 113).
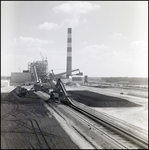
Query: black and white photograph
(74, 74)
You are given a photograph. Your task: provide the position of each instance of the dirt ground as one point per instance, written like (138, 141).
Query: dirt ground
(134, 104)
(93, 99)
(132, 108)
(27, 124)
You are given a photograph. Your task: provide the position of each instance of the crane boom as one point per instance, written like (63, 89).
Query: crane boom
(56, 76)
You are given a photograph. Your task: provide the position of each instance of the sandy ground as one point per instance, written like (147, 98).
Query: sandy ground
(137, 116)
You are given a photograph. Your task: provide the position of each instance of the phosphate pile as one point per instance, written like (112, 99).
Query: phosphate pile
(93, 99)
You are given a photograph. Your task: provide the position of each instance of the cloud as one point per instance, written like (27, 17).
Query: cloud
(30, 47)
(94, 51)
(48, 26)
(10, 60)
(118, 35)
(139, 44)
(74, 10)
(105, 53)
(75, 7)
(85, 43)
(96, 47)
(73, 22)
(29, 41)
(139, 51)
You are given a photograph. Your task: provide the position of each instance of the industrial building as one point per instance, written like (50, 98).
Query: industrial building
(28, 77)
(20, 77)
(41, 68)
(38, 69)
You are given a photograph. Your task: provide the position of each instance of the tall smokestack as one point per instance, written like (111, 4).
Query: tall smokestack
(69, 55)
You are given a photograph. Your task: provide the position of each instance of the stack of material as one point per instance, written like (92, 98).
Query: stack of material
(93, 99)
(27, 124)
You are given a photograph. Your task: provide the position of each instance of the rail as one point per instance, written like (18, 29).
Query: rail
(105, 121)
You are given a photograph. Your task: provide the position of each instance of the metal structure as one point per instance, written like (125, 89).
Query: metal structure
(44, 80)
(85, 80)
(51, 83)
(41, 69)
(52, 80)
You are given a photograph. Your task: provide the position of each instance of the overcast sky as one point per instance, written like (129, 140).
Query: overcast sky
(109, 38)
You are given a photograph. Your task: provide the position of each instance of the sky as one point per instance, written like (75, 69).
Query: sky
(109, 38)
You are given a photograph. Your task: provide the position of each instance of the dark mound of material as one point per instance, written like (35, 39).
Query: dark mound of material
(4, 95)
(31, 102)
(12, 97)
(27, 124)
(100, 86)
(93, 99)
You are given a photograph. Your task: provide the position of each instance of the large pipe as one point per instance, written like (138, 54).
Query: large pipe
(69, 54)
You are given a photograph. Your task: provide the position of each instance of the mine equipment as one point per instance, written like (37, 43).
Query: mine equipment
(53, 83)
(62, 93)
(51, 79)
(21, 91)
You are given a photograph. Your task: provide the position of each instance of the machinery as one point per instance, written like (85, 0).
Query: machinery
(60, 93)
(53, 86)
(51, 79)
(50, 83)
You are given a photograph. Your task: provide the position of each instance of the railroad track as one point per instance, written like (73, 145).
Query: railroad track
(122, 134)
(113, 134)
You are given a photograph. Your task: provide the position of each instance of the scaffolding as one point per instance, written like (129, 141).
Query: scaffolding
(41, 68)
